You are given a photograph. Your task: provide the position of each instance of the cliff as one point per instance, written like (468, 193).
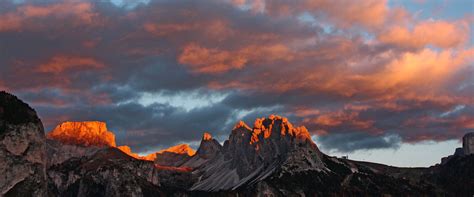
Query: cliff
(90, 133)
(22, 149)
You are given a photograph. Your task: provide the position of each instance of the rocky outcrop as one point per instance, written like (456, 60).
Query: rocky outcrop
(468, 143)
(252, 155)
(127, 150)
(172, 156)
(92, 133)
(22, 149)
(209, 147)
(181, 149)
(58, 152)
(110, 172)
(208, 150)
(466, 149)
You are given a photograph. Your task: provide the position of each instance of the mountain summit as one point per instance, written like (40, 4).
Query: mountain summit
(253, 154)
(92, 133)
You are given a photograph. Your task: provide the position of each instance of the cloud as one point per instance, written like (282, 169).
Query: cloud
(358, 141)
(60, 64)
(25, 16)
(435, 33)
(341, 12)
(360, 72)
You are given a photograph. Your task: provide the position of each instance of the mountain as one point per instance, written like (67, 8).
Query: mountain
(252, 155)
(172, 156)
(111, 172)
(22, 149)
(272, 158)
(92, 133)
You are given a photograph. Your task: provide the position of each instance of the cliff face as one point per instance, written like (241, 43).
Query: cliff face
(172, 156)
(22, 149)
(468, 143)
(91, 133)
(252, 154)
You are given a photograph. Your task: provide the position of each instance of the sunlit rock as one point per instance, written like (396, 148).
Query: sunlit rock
(91, 133)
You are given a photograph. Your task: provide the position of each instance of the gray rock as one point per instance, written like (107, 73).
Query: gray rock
(468, 143)
(22, 149)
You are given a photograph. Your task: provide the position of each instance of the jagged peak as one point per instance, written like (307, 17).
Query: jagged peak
(87, 133)
(241, 124)
(179, 149)
(206, 136)
(265, 125)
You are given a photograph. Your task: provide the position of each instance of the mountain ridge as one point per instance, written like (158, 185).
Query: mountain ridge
(273, 158)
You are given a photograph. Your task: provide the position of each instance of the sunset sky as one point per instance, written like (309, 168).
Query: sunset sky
(382, 81)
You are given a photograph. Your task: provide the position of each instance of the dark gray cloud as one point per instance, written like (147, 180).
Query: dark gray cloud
(350, 142)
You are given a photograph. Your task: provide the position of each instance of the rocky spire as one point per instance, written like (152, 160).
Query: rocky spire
(206, 136)
(277, 127)
(91, 133)
(209, 147)
(241, 124)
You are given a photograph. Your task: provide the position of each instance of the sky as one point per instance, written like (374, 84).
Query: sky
(383, 81)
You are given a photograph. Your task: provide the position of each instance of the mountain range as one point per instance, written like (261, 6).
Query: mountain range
(271, 158)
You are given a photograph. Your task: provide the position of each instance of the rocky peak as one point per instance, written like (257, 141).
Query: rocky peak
(180, 149)
(91, 133)
(468, 143)
(209, 147)
(241, 124)
(172, 156)
(271, 128)
(278, 127)
(206, 136)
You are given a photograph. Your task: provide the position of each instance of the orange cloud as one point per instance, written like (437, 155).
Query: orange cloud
(19, 18)
(205, 60)
(165, 29)
(442, 34)
(338, 118)
(426, 68)
(61, 63)
(345, 13)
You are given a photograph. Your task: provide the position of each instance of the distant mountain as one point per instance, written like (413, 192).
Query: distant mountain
(272, 158)
(90, 133)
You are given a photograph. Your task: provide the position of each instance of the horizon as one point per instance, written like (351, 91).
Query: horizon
(390, 158)
(384, 81)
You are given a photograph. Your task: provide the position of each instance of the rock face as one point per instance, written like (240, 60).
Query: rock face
(91, 133)
(58, 152)
(209, 147)
(127, 150)
(252, 155)
(468, 143)
(173, 156)
(22, 149)
(208, 150)
(110, 172)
